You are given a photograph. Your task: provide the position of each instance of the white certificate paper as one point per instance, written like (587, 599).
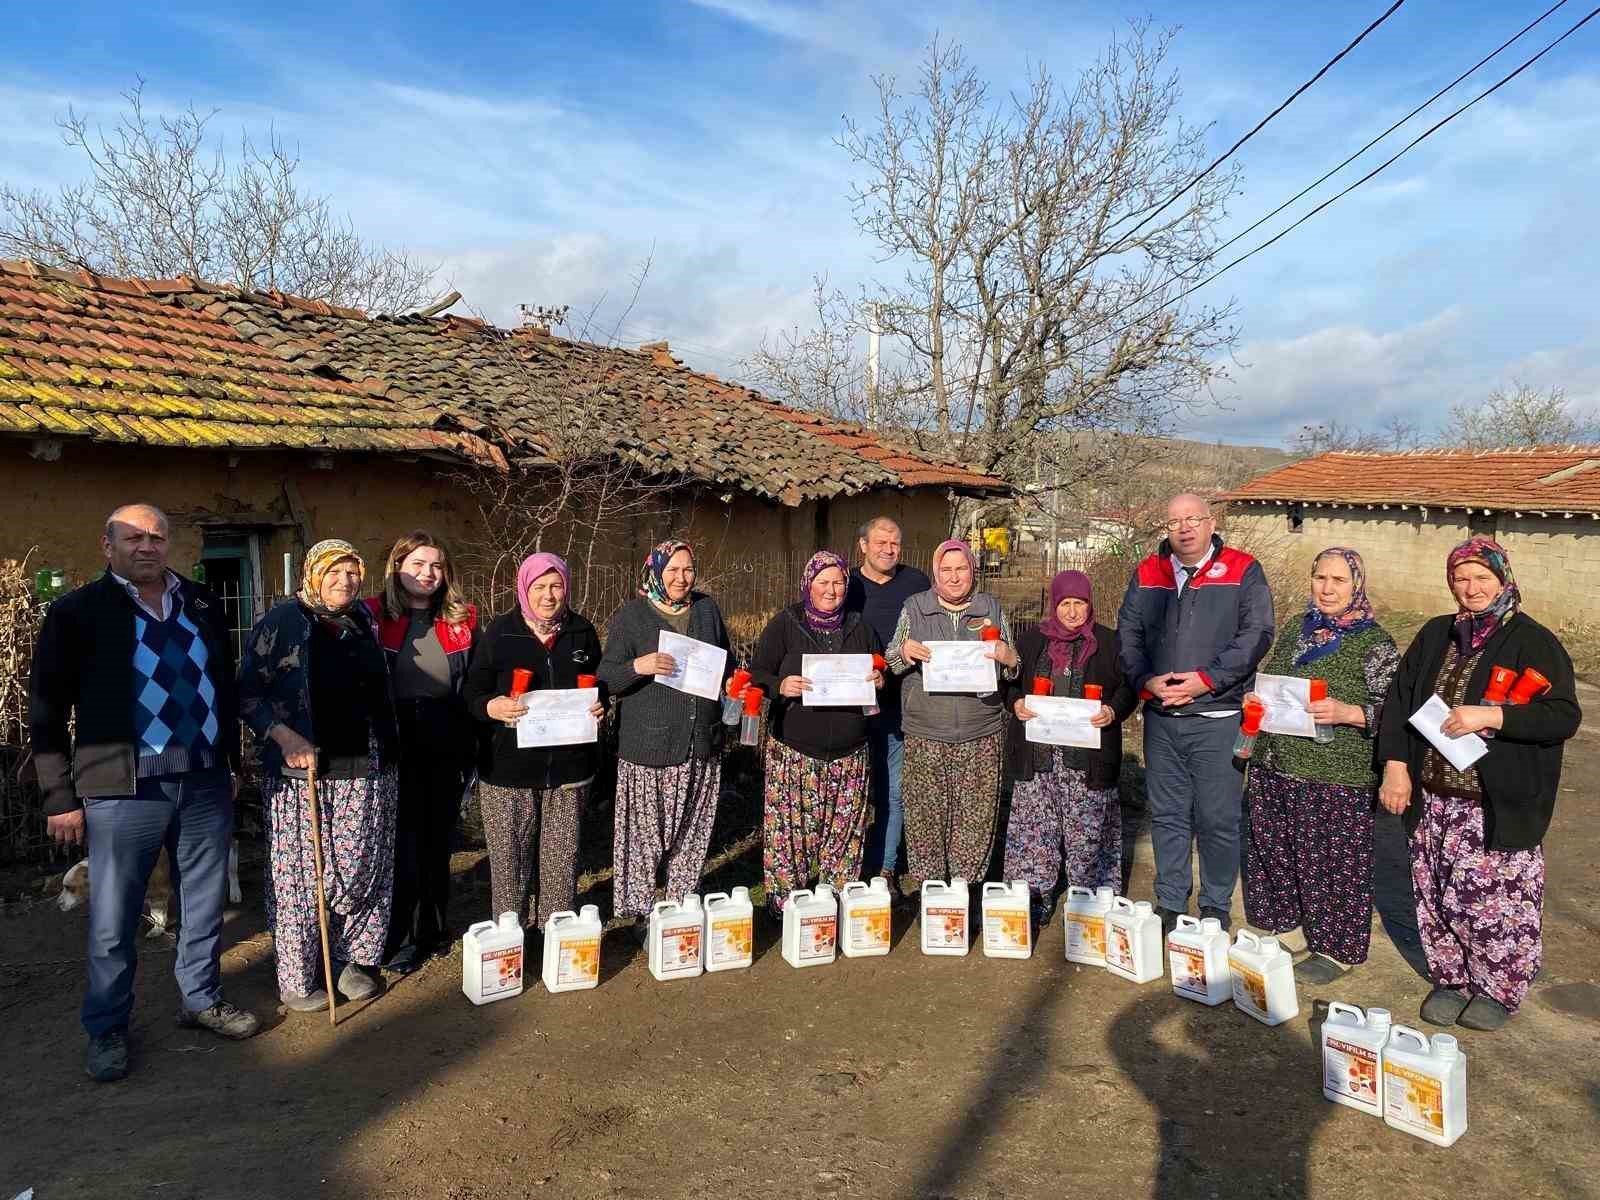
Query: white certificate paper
(837, 680)
(1288, 704)
(1062, 721)
(1461, 752)
(700, 665)
(558, 717)
(960, 667)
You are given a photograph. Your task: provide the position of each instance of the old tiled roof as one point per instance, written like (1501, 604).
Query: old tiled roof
(643, 404)
(125, 361)
(1560, 480)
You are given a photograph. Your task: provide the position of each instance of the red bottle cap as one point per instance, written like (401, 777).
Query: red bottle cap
(752, 701)
(991, 633)
(1254, 712)
(1500, 681)
(1530, 684)
(737, 682)
(1041, 685)
(880, 663)
(1319, 690)
(1146, 694)
(1092, 691)
(587, 681)
(521, 681)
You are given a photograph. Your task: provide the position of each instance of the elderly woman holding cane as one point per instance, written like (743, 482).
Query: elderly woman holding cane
(1310, 801)
(952, 755)
(1476, 865)
(532, 798)
(669, 767)
(1064, 802)
(817, 765)
(314, 689)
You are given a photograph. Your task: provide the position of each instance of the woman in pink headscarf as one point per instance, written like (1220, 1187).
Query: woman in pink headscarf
(532, 797)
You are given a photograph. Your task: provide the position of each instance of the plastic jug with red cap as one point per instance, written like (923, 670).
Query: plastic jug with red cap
(750, 723)
(1245, 744)
(733, 700)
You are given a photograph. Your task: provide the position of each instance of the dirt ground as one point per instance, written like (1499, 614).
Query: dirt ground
(899, 1077)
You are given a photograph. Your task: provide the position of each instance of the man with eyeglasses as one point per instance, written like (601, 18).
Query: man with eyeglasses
(1195, 622)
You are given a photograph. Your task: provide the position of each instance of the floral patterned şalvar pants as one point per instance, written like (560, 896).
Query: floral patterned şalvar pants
(1057, 816)
(814, 820)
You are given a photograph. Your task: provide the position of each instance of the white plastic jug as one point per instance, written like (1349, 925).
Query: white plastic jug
(1425, 1085)
(491, 960)
(865, 918)
(1133, 940)
(676, 950)
(1007, 922)
(730, 930)
(1263, 978)
(1083, 916)
(572, 950)
(945, 909)
(1198, 954)
(1352, 1056)
(811, 927)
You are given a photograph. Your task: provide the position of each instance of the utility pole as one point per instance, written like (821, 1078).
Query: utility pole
(1055, 518)
(873, 336)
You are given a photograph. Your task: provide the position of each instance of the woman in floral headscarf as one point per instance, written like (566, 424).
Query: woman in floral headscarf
(817, 766)
(314, 689)
(669, 742)
(1310, 803)
(1477, 868)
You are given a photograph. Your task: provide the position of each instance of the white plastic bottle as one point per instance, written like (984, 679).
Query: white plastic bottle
(1133, 940)
(945, 911)
(730, 930)
(811, 927)
(1263, 978)
(572, 950)
(1083, 916)
(1007, 923)
(1425, 1085)
(1198, 954)
(491, 960)
(676, 930)
(1352, 1056)
(865, 919)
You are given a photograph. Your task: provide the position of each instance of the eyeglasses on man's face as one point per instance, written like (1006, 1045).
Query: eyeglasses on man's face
(1190, 522)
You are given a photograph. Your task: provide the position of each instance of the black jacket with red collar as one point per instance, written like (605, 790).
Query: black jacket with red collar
(456, 639)
(1220, 625)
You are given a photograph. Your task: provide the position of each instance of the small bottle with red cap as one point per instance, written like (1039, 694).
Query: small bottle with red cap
(750, 723)
(879, 663)
(1322, 734)
(733, 700)
(1245, 744)
(1501, 680)
(1530, 685)
(521, 681)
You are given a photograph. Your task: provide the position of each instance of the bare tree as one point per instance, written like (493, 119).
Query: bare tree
(1519, 416)
(163, 199)
(1335, 435)
(1041, 271)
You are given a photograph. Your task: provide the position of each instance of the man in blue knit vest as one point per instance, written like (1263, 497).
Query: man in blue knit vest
(144, 660)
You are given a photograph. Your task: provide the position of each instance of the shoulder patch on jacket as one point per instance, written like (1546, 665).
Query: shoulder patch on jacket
(1156, 572)
(1226, 569)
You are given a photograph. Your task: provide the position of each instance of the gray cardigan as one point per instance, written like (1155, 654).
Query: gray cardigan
(941, 716)
(658, 726)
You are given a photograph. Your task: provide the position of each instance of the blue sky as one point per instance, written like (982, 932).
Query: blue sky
(538, 151)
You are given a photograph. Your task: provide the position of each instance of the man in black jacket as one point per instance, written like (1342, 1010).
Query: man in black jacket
(1196, 620)
(144, 659)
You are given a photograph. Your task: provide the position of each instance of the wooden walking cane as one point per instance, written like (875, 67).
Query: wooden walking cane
(322, 896)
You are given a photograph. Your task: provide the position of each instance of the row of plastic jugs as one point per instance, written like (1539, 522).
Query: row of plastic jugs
(1417, 1084)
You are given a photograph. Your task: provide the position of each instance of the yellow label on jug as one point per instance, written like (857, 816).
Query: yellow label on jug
(817, 936)
(945, 926)
(730, 940)
(680, 946)
(1119, 946)
(502, 971)
(1188, 969)
(869, 929)
(1249, 987)
(1086, 935)
(1350, 1070)
(1413, 1099)
(578, 961)
(1006, 931)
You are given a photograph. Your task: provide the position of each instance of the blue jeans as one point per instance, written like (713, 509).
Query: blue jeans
(888, 748)
(192, 816)
(1194, 794)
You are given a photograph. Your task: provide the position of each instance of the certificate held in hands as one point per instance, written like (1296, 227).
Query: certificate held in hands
(959, 667)
(699, 667)
(837, 680)
(1460, 752)
(1062, 721)
(558, 717)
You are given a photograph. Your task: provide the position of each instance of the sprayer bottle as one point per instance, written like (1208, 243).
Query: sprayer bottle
(1530, 685)
(733, 698)
(1245, 744)
(1323, 733)
(1499, 689)
(750, 723)
(879, 663)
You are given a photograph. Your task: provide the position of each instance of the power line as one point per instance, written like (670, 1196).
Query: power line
(1262, 124)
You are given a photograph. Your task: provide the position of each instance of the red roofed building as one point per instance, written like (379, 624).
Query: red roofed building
(1404, 512)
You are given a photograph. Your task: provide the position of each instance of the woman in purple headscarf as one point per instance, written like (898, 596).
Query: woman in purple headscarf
(531, 798)
(1310, 802)
(817, 765)
(1064, 801)
(1477, 863)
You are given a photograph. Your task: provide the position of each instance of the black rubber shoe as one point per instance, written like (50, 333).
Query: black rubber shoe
(1318, 970)
(1169, 921)
(1485, 1014)
(107, 1058)
(1443, 1006)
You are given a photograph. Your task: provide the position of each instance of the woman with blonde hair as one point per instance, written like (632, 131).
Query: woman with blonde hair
(426, 629)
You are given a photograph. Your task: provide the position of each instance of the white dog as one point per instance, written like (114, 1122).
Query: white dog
(158, 893)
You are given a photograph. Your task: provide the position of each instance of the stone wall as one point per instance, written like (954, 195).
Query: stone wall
(1556, 560)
